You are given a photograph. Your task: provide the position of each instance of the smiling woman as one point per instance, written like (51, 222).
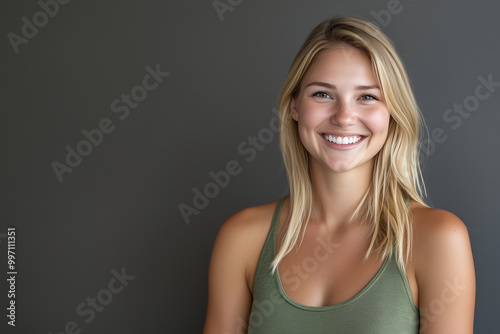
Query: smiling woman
(354, 248)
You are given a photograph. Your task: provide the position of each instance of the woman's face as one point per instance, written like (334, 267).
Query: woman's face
(342, 118)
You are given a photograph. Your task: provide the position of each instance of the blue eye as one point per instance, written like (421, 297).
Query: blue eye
(324, 95)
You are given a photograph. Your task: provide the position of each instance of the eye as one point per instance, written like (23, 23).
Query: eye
(368, 97)
(323, 95)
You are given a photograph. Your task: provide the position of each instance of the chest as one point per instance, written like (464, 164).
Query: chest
(327, 269)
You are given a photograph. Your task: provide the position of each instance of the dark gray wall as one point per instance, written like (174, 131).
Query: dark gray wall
(118, 209)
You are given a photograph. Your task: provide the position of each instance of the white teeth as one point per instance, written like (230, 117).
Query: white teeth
(342, 141)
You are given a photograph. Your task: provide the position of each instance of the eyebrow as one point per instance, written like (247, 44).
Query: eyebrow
(366, 87)
(327, 85)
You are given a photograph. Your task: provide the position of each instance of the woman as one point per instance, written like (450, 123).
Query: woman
(354, 248)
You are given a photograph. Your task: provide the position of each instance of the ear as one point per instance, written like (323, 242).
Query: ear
(293, 110)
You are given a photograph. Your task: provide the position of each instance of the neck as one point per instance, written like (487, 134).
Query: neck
(336, 195)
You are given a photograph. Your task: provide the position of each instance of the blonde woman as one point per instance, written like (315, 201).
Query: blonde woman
(354, 248)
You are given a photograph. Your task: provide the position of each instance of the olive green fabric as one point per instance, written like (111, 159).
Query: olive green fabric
(384, 305)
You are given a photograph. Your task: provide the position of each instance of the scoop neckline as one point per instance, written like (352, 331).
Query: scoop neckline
(326, 307)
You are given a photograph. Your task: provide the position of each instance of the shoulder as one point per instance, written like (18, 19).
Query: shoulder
(248, 223)
(444, 271)
(232, 267)
(241, 237)
(438, 231)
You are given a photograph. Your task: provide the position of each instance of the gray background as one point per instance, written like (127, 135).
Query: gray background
(119, 207)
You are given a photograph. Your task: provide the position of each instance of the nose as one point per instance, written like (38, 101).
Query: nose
(343, 114)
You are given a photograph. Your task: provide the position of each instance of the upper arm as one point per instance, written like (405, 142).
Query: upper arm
(445, 275)
(229, 296)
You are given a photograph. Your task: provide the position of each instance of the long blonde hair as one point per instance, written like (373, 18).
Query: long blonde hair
(397, 177)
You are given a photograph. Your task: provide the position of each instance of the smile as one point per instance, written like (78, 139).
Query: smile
(342, 140)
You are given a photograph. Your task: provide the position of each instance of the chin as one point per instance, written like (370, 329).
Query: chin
(340, 167)
(347, 166)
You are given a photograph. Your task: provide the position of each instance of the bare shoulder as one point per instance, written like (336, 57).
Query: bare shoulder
(444, 271)
(248, 223)
(437, 229)
(243, 236)
(232, 267)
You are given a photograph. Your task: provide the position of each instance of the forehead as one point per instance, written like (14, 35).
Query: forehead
(344, 50)
(341, 61)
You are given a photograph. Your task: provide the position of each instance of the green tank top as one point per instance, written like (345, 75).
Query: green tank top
(385, 305)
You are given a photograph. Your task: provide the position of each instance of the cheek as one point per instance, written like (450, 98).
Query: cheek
(308, 120)
(310, 115)
(379, 123)
(304, 131)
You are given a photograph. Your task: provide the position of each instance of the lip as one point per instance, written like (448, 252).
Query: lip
(342, 146)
